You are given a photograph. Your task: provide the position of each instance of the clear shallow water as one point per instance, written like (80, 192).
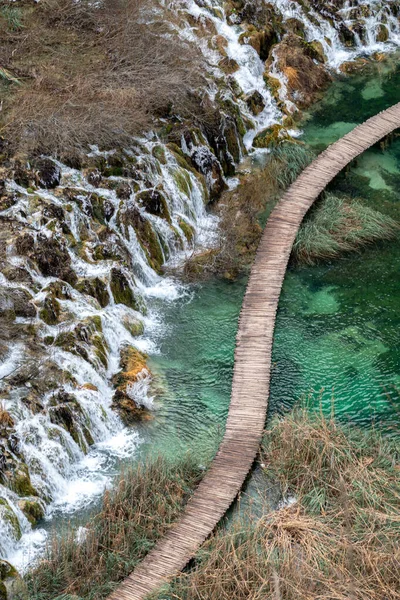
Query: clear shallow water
(337, 334)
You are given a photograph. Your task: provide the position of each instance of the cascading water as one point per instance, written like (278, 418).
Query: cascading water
(348, 30)
(158, 219)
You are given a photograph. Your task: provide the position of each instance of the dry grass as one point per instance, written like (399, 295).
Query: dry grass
(337, 541)
(336, 225)
(135, 513)
(92, 74)
(244, 211)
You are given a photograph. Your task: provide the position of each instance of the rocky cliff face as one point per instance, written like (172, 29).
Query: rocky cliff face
(85, 242)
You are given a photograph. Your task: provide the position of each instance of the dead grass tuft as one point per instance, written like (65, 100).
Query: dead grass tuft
(337, 541)
(90, 562)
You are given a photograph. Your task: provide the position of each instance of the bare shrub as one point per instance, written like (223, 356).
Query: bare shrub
(94, 74)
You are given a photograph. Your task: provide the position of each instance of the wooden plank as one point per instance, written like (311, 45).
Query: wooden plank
(251, 377)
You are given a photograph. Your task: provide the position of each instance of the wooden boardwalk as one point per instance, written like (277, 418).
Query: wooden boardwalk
(251, 377)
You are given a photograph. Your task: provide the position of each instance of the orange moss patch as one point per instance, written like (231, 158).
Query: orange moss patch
(89, 386)
(6, 419)
(292, 77)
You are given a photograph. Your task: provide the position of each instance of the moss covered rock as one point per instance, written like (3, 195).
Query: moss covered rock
(20, 482)
(146, 235)
(255, 102)
(96, 288)
(8, 516)
(85, 340)
(64, 410)
(50, 313)
(11, 584)
(121, 290)
(187, 229)
(33, 509)
(155, 203)
(133, 367)
(134, 326)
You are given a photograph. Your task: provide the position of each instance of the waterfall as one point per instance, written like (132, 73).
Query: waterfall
(371, 26)
(127, 216)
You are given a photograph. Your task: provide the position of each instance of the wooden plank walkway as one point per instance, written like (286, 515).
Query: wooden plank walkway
(251, 377)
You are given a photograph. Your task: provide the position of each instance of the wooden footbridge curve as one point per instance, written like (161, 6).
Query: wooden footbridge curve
(251, 376)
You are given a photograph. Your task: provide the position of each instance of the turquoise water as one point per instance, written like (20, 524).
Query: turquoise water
(337, 335)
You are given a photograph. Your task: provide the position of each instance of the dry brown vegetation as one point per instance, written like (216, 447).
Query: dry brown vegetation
(135, 513)
(90, 73)
(337, 541)
(243, 211)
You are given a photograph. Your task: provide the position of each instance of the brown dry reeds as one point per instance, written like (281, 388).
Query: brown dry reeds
(93, 73)
(88, 563)
(337, 539)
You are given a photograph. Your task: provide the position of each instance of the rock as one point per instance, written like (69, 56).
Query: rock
(22, 303)
(96, 288)
(295, 26)
(12, 586)
(131, 215)
(51, 310)
(228, 65)
(346, 35)
(383, 33)
(52, 258)
(262, 41)
(208, 165)
(355, 66)
(22, 175)
(101, 208)
(255, 102)
(159, 153)
(66, 412)
(133, 367)
(187, 229)
(123, 190)
(94, 177)
(305, 78)
(121, 290)
(33, 509)
(20, 482)
(25, 244)
(134, 326)
(155, 203)
(316, 51)
(48, 174)
(18, 274)
(86, 340)
(271, 136)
